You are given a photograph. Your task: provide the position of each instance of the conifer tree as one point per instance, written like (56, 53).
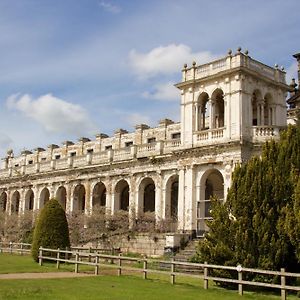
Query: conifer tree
(262, 211)
(51, 230)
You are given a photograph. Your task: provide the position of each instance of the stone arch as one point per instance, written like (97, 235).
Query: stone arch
(211, 185)
(99, 194)
(256, 107)
(3, 202)
(15, 202)
(218, 108)
(29, 200)
(122, 195)
(44, 197)
(172, 197)
(147, 195)
(269, 110)
(61, 196)
(203, 112)
(79, 198)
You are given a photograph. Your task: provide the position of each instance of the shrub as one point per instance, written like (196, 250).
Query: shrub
(51, 230)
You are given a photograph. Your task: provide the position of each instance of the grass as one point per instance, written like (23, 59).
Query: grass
(108, 286)
(25, 264)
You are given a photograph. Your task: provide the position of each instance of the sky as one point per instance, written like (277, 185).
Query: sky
(75, 68)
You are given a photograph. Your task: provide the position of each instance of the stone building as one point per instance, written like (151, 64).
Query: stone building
(229, 107)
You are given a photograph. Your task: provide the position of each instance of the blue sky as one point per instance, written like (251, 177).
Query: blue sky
(72, 68)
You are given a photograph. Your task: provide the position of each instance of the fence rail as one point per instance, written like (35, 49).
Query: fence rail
(98, 260)
(10, 247)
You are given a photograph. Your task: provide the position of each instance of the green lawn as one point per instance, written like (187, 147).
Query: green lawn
(107, 287)
(25, 264)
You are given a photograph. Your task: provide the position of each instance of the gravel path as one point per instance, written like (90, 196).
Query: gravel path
(43, 275)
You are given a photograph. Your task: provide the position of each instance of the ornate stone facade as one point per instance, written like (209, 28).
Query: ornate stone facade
(229, 107)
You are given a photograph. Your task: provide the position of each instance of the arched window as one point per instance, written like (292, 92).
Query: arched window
(218, 108)
(174, 200)
(29, 200)
(149, 198)
(269, 112)
(99, 195)
(44, 197)
(79, 198)
(122, 195)
(3, 201)
(61, 196)
(202, 114)
(211, 185)
(15, 202)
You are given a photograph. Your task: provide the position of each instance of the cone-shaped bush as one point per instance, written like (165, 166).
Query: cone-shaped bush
(51, 230)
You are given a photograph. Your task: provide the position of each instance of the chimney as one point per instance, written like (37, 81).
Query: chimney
(297, 56)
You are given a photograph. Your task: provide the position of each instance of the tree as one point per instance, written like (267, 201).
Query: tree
(259, 224)
(51, 230)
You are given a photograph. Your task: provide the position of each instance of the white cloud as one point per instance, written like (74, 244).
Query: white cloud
(136, 118)
(165, 60)
(54, 114)
(291, 72)
(109, 7)
(164, 91)
(5, 141)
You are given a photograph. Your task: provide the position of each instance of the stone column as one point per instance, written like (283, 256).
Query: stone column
(70, 197)
(190, 203)
(87, 186)
(158, 197)
(181, 199)
(211, 114)
(22, 200)
(132, 199)
(109, 195)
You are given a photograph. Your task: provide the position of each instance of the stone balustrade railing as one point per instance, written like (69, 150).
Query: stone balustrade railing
(231, 62)
(260, 133)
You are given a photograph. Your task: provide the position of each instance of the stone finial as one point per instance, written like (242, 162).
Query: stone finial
(84, 139)
(246, 52)
(120, 131)
(239, 49)
(276, 66)
(229, 52)
(39, 149)
(67, 143)
(185, 66)
(293, 84)
(101, 135)
(194, 63)
(282, 68)
(10, 152)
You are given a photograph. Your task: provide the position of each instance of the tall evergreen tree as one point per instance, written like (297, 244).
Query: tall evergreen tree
(261, 216)
(51, 230)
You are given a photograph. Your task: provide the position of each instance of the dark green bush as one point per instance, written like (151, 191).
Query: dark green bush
(51, 230)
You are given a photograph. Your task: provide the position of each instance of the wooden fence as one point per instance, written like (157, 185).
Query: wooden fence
(121, 263)
(20, 248)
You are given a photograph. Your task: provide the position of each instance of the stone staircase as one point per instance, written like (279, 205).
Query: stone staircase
(185, 255)
(188, 252)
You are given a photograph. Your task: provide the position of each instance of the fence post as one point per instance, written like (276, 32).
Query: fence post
(120, 265)
(96, 264)
(145, 269)
(283, 290)
(57, 258)
(1, 247)
(10, 247)
(41, 256)
(205, 280)
(76, 262)
(240, 279)
(172, 271)
(21, 248)
(90, 251)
